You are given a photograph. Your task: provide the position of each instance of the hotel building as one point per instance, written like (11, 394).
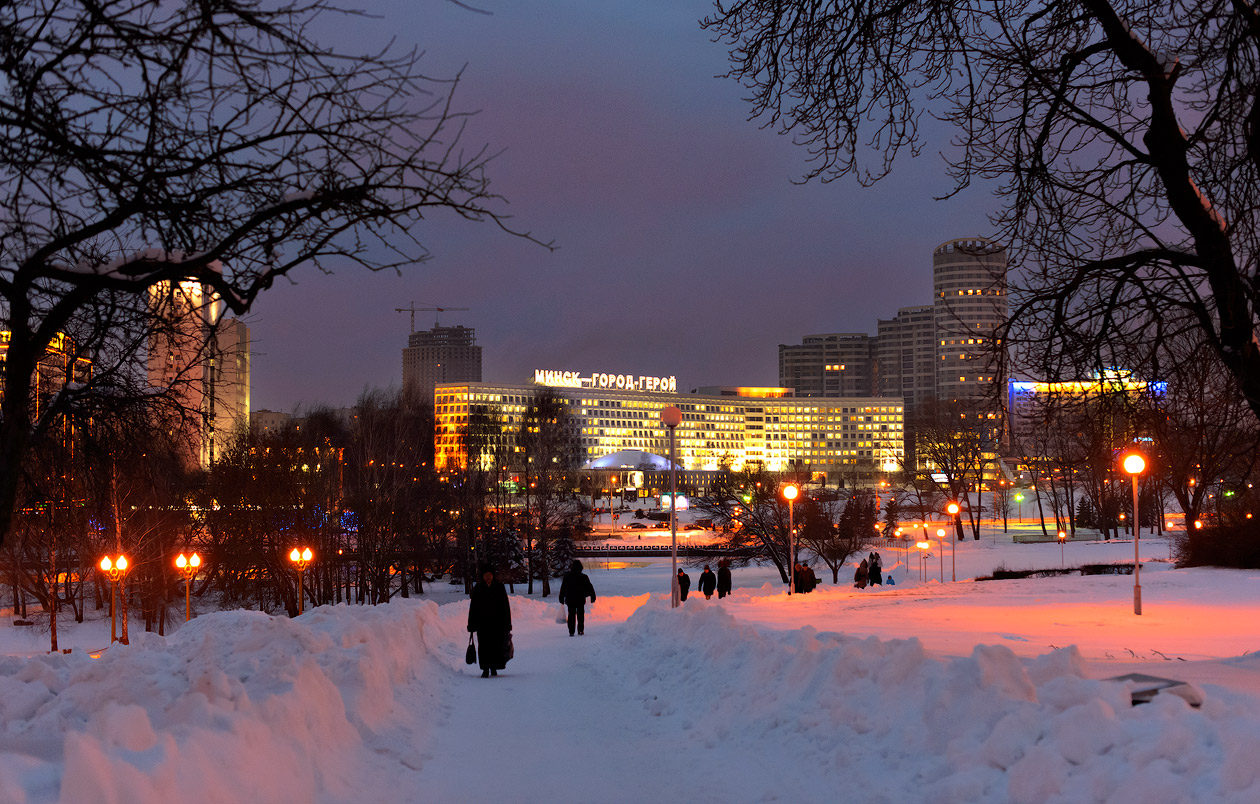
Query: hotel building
(441, 354)
(728, 427)
(969, 283)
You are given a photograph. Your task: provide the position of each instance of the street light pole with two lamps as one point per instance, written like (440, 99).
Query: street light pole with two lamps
(115, 570)
(300, 560)
(188, 566)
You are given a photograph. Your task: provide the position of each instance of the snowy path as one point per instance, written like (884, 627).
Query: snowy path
(560, 724)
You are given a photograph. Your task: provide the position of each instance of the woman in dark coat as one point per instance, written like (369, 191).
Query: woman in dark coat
(490, 616)
(861, 575)
(684, 584)
(574, 590)
(724, 578)
(707, 582)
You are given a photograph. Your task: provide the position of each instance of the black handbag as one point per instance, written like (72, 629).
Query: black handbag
(509, 650)
(470, 655)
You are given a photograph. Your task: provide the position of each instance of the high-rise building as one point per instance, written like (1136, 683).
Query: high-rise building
(906, 355)
(201, 360)
(969, 285)
(840, 364)
(438, 355)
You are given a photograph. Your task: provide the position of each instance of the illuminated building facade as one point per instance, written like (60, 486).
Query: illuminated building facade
(61, 365)
(1031, 404)
(202, 360)
(969, 284)
(833, 438)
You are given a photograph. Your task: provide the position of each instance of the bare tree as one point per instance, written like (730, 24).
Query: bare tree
(1123, 140)
(954, 442)
(146, 143)
(548, 452)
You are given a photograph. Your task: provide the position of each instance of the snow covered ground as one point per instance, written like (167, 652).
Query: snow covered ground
(921, 691)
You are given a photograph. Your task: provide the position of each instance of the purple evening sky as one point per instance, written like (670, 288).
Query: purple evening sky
(684, 246)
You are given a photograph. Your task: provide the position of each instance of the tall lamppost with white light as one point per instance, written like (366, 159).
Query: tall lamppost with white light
(114, 571)
(671, 417)
(1062, 555)
(1135, 464)
(188, 566)
(790, 492)
(300, 560)
(940, 540)
(953, 509)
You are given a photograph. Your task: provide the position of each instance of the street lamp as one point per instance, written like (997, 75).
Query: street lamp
(188, 566)
(671, 417)
(789, 493)
(300, 560)
(940, 539)
(953, 510)
(1062, 539)
(1135, 464)
(923, 546)
(114, 570)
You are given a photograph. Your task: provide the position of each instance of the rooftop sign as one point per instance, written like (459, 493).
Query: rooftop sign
(619, 382)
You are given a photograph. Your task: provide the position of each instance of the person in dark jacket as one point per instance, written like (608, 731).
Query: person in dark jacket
(724, 578)
(707, 582)
(811, 580)
(574, 590)
(490, 617)
(861, 575)
(684, 584)
(876, 570)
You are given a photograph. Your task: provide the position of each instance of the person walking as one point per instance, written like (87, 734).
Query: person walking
(490, 617)
(724, 578)
(811, 580)
(574, 590)
(707, 582)
(684, 584)
(863, 573)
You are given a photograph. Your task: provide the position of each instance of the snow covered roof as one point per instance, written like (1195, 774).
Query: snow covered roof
(629, 459)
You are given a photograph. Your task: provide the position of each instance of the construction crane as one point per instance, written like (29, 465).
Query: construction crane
(413, 309)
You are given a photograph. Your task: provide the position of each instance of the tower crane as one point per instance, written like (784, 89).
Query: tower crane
(413, 309)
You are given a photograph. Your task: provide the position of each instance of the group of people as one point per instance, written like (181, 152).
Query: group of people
(708, 582)
(490, 616)
(870, 571)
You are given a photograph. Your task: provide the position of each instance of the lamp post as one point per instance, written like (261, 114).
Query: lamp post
(300, 560)
(1135, 464)
(923, 546)
(188, 566)
(671, 417)
(1062, 539)
(953, 510)
(940, 539)
(790, 491)
(114, 570)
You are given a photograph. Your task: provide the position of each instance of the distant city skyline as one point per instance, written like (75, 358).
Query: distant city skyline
(683, 246)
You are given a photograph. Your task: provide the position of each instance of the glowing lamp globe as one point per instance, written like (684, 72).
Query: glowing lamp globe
(952, 508)
(306, 554)
(122, 563)
(790, 492)
(295, 555)
(1134, 464)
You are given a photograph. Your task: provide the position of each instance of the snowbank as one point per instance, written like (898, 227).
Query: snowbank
(238, 706)
(884, 718)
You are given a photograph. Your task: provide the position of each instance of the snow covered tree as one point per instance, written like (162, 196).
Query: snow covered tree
(147, 144)
(1122, 138)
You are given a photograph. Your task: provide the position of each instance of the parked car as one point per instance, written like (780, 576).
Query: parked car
(662, 526)
(634, 526)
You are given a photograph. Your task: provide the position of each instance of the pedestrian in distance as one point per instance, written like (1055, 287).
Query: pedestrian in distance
(811, 580)
(574, 590)
(684, 584)
(724, 578)
(799, 578)
(707, 582)
(490, 618)
(863, 573)
(876, 570)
